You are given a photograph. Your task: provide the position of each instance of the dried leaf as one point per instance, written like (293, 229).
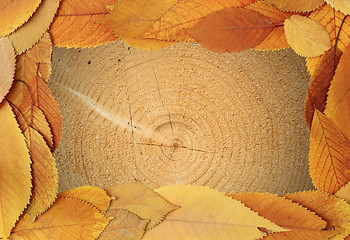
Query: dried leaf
(15, 13)
(124, 226)
(322, 70)
(296, 5)
(206, 214)
(93, 195)
(232, 30)
(130, 19)
(332, 209)
(341, 5)
(77, 24)
(329, 155)
(303, 223)
(344, 192)
(187, 14)
(337, 108)
(140, 200)
(15, 177)
(307, 37)
(68, 219)
(7, 63)
(32, 31)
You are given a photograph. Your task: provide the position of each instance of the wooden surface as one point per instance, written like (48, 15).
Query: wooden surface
(182, 115)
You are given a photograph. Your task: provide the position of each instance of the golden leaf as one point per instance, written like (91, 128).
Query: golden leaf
(141, 201)
(14, 13)
(68, 219)
(334, 210)
(15, 177)
(7, 63)
(206, 214)
(32, 31)
(341, 5)
(93, 195)
(296, 5)
(187, 14)
(344, 192)
(124, 226)
(130, 19)
(306, 37)
(329, 155)
(303, 223)
(232, 30)
(337, 107)
(76, 24)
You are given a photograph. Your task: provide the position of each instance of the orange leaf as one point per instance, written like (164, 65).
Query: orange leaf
(77, 24)
(341, 5)
(14, 13)
(296, 5)
(337, 108)
(44, 171)
(232, 30)
(68, 219)
(344, 192)
(187, 14)
(7, 66)
(15, 177)
(303, 223)
(92, 195)
(329, 156)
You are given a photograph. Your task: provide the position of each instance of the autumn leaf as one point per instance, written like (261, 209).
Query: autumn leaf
(15, 13)
(32, 31)
(341, 5)
(68, 219)
(303, 223)
(92, 195)
(344, 192)
(7, 66)
(232, 30)
(15, 177)
(306, 37)
(130, 19)
(141, 201)
(337, 107)
(296, 5)
(186, 14)
(205, 214)
(77, 24)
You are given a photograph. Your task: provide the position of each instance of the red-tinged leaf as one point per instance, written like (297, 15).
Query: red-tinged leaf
(232, 30)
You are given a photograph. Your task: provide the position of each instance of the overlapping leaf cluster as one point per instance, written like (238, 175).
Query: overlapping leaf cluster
(30, 128)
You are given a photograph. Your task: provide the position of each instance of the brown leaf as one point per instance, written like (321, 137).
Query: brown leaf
(7, 66)
(68, 219)
(187, 14)
(15, 176)
(232, 30)
(341, 5)
(77, 24)
(296, 5)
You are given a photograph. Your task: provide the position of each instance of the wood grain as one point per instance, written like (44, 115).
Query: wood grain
(182, 115)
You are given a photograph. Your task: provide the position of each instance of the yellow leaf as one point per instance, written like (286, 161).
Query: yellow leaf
(208, 214)
(186, 14)
(341, 5)
(307, 37)
(124, 226)
(15, 177)
(44, 171)
(337, 107)
(130, 19)
(344, 192)
(7, 66)
(14, 13)
(68, 219)
(93, 195)
(296, 5)
(31, 32)
(141, 201)
(76, 24)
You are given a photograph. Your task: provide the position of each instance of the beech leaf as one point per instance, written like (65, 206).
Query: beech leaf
(232, 30)
(7, 66)
(141, 201)
(344, 192)
(306, 37)
(15, 177)
(206, 214)
(77, 24)
(341, 5)
(296, 5)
